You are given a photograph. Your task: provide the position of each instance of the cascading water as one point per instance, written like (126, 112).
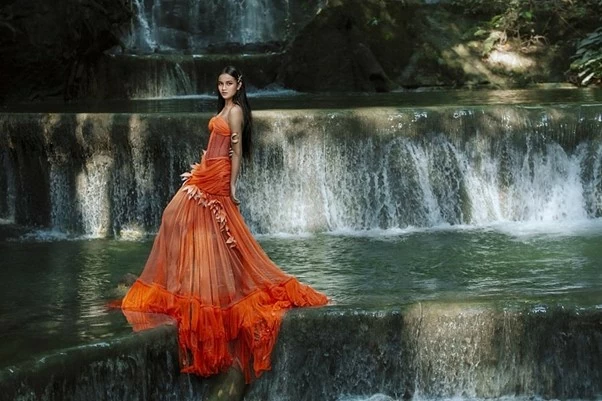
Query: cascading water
(175, 48)
(199, 25)
(460, 324)
(435, 352)
(383, 183)
(7, 186)
(361, 170)
(379, 177)
(142, 35)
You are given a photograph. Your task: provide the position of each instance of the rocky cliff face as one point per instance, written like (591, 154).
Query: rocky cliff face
(51, 50)
(374, 45)
(351, 45)
(46, 46)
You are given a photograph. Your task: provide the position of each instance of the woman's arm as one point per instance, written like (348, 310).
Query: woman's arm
(235, 121)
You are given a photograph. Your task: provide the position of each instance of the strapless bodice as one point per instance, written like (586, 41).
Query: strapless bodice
(219, 139)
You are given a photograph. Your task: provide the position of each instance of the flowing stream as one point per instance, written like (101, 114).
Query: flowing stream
(460, 247)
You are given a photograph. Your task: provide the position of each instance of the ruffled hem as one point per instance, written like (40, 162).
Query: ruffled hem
(212, 338)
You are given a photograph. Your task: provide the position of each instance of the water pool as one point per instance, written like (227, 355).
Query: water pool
(55, 291)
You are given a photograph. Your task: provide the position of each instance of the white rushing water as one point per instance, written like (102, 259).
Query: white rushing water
(192, 25)
(361, 171)
(142, 35)
(384, 397)
(321, 183)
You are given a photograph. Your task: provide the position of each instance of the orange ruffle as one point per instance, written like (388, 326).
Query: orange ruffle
(210, 175)
(212, 338)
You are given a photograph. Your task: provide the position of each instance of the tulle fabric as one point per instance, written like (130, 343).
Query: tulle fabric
(209, 274)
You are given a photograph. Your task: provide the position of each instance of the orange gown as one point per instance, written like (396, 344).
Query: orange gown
(207, 271)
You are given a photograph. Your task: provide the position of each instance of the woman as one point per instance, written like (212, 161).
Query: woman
(205, 268)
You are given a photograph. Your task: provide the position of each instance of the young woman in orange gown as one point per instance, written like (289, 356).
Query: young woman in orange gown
(205, 268)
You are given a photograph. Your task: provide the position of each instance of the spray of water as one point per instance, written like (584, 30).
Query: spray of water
(362, 171)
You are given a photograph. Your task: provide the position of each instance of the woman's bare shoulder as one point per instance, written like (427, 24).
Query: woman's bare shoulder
(236, 111)
(235, 116)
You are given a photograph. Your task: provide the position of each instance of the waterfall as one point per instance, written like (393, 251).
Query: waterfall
(362, 169)
(175, 48)
(430, 351)
(141, 36)
(170, 79)
(401, 182)
(100, 175)
(7, 187)
(132, 76)
(435, 352)
(140, 367)
(314, 176)
(199, 25)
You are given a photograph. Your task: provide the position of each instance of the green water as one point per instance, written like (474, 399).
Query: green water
(54, 292)
(268, 100)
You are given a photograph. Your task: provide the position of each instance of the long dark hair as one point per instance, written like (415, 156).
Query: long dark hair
(240, 99)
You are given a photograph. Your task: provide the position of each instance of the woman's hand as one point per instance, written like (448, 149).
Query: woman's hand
(233, 195)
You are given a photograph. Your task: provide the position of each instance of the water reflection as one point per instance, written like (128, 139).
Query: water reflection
(266, 100)
(55, 293)
(447, 264)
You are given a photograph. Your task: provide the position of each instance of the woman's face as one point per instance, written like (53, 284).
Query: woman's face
(227, 86)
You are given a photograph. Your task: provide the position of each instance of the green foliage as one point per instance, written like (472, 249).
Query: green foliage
(516, 19)
(587, 61)
(531, 22)
(528, 19)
